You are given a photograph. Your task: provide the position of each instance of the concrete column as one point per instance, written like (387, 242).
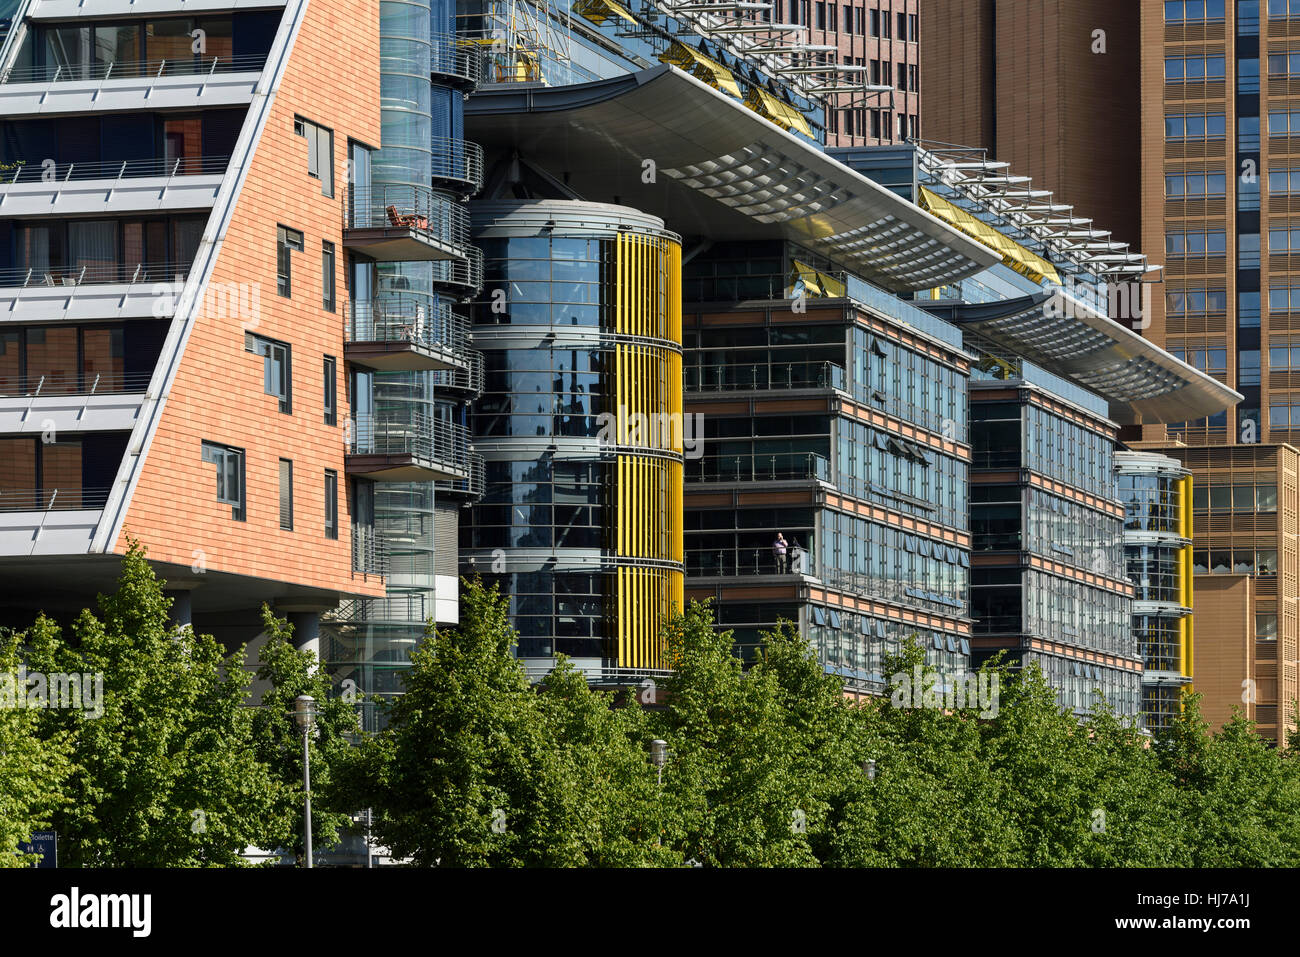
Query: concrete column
(181, 611)
(306, 630)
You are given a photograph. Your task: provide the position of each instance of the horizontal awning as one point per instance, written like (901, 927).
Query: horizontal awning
(670, 145)
(1028, 264)
(1142, 383)
(598, 11)
(779, 112)
(702, 67)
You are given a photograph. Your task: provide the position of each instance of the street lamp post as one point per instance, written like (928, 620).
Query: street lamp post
(304, 713)
(869, 768)
(659, 757)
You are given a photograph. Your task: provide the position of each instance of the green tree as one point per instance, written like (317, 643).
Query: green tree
(290, 672)
(33, 768)
(167, 776)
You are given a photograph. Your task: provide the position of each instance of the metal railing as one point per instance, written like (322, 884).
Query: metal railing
(736, 562)
(395, 608)
(87, 383)
(450, 56)
(417, 435)
(789, 466)
(406, 319)
(871, 585)
(52, 499)
(468, 378)
(472, 486)
(466, 274)
(123, 169)
(94, 274)
(764, 376)
(458, 160)
(863, 489)
(135, 69)
(369, 554)
(404, 206)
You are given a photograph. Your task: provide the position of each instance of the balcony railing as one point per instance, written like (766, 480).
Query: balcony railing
(52, 499)
(413, 608)
(417, 435)
(871, 585)
(407, 319)
(458, 161)
(789, 466)
(764, 376)
(123, 169)
(135, 69)
(88, 383)
(369, 554)
(455, 58)
(468, 378)
(738, 562)
(472, 486)
(94, 274)
(403, 206)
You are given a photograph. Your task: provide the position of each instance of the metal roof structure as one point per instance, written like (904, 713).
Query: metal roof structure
(1142, 382)
(667, 143)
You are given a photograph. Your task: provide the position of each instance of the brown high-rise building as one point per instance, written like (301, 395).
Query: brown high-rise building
(882, 37)
(1048, 86)
(1210, 94)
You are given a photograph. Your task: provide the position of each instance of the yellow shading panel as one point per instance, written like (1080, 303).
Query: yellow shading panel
(701, 67)
(1028, 264)
(598, 11)
(778, 111)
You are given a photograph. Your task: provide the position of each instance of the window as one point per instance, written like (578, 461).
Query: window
(1195, 126)
(1209, 361)
(1248, 75)
(913, 80)
(1197, 69)
(230, 476)
(1195, 185)
(848, 18)
(875, 123)
(1248, 367)
(1247, 250)
(901, 33)
(331, 504)
(1284, 242)
(1284, 298)
(320, 152)
(913, 32)
(1283, 123)
(277, 376)
(857, 20)
(886, 25)
(1248, 134)
(1284, 64)
(287, 241)
(900, 76)
(1284, 353)
(1196, 243)
(286, 494)
(1248, 310)
(331, 391)
(1195, 301)
(327, 276)
(821, 16)
(1278, 9)
(873, 19)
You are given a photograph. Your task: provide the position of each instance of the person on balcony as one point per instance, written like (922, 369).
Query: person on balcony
(778, 553)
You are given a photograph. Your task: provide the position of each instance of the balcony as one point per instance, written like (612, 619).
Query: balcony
(748, 562)
(471, 487)
(458, 165)
(70, 402)
(402, 223)
(87, 189)
(369, 553)
(91, 291)
(783, 467)
(408, 448)
(456, 59)
(756, 377)
(405, 334)
(49, 521)
(138, 85)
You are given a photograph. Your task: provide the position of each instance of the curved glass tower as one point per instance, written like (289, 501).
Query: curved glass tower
(580, 429)
(410, 292)
(1157, 495)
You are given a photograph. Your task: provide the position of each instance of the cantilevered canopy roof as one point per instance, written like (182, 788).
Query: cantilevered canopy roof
(666, 143)
(1142, 382)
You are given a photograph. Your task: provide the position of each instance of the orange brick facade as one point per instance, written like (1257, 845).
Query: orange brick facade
(332, 78)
